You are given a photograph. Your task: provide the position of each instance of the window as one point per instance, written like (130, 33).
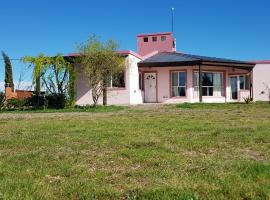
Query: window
(140, 81)
(178, 84)
(117, 81)
(163, 38)
(145, 39)
(154, 39)
(211, 84)
(244, 82)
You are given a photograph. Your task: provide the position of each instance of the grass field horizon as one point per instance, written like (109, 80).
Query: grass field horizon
(185, 151)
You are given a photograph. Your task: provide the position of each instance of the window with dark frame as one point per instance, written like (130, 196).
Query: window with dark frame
(178, 84)
(154, 39)
(145, 39)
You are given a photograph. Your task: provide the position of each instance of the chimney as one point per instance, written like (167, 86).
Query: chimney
(9, 93)
(148, 43)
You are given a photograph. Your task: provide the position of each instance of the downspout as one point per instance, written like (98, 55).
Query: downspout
(251, 84)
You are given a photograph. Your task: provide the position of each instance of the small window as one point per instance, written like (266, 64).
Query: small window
(154, 39)
(163, 38)
(173, 43)
(145, 39)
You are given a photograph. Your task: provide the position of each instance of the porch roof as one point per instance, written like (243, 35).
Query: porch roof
(165, 59)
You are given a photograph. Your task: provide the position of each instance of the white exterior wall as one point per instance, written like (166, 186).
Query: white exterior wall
(261, 82)
(115, 96)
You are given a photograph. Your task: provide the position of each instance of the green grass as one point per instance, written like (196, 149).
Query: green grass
(187, 151)
(110, 108)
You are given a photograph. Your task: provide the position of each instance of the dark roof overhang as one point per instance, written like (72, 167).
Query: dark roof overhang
(169, 59)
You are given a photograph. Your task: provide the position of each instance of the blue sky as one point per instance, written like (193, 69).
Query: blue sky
(237, 29)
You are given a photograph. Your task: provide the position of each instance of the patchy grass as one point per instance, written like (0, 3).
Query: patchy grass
(187, 151)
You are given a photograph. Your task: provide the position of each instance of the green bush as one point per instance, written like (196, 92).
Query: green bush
(2, 101)
(37, 101)
(57, 101)
(16, 103)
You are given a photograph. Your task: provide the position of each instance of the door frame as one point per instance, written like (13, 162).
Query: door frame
(145, 72)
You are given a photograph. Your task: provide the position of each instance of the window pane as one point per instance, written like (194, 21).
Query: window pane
(217, 85)
(196, 79)
(175, 91)
(182, 79)
(204, 91)
(119, 80)
(207, 79)
(247, 82)
(242, 82)
(182, 91)
(174, 78)
(145, 39)
(210, 91)
(154, 39)
(140, 81)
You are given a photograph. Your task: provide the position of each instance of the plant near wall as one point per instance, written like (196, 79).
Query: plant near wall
(100, 63)
(8, 71)
(54, 74)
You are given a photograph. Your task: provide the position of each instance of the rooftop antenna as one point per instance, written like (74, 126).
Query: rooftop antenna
(172, 18)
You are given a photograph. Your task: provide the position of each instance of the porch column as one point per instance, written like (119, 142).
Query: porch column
(200, 83)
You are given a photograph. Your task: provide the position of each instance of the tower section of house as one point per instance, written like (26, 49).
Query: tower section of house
(155, 42)
(261, 81)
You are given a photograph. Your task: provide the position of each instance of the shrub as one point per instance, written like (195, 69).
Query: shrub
(16, 103)
(37, 101)
(57, 101)
(248, 99)
(2, 101)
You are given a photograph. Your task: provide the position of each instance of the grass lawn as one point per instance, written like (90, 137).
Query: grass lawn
(187, 151)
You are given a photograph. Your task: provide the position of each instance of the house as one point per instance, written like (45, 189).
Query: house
(157, 73)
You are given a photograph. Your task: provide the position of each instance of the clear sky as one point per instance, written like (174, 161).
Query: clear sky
(237, 29)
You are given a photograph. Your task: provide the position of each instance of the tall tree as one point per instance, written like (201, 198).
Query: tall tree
(8, 71)
(100, 63)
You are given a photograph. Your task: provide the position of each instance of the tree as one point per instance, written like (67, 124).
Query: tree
(100, 63)
(8, 71)
(53, 73)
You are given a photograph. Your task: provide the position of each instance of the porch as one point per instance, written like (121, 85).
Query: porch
(175, 78)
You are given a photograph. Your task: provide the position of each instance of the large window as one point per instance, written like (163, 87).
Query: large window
(178, 84)
(211, 84)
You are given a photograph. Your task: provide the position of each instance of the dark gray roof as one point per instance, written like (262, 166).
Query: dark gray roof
(181, 59)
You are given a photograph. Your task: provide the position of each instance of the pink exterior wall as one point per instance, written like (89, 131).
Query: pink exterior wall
(145, 48)
(261, 81)
(164, 85)
(115, 96)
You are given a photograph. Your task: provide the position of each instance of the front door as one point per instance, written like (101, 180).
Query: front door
(150, 87)
(234, 87)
